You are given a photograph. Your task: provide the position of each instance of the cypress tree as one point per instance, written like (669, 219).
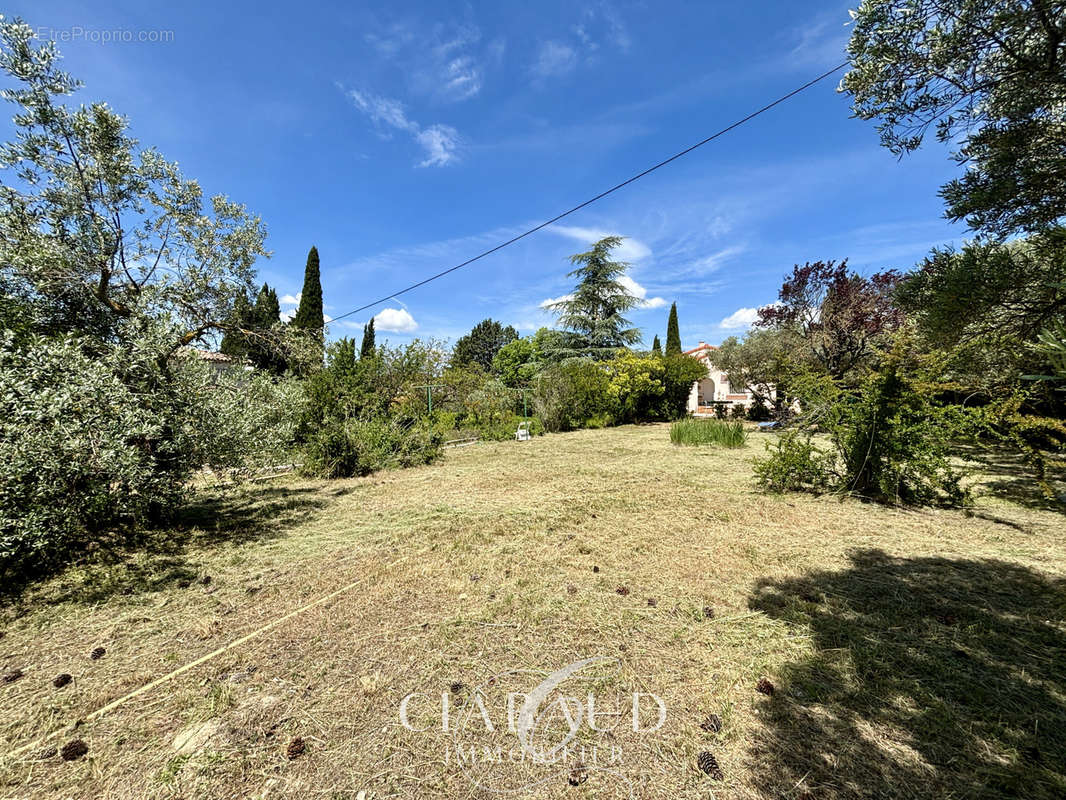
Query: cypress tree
(265, 315)
(234, 343)
(656, 347)
(673, 333)
(309, 314)
(267, 311)
(367, 348)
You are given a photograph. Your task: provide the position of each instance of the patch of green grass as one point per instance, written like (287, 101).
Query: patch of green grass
(708, 431)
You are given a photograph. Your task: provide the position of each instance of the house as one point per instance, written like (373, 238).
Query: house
(714, 390)
(220, 363)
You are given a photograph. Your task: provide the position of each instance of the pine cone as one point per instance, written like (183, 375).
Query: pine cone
(709, 764)
(97, 653)
(13, 676)
(295, 749)
(73, 750)
(61, 680)
(578, 775)
(622, 590)
(764, 687)
(713, 723)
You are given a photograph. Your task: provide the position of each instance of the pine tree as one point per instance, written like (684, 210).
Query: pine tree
(656, 347)
(591, 318)
(309, 314)
(367, 348)
(673, 333)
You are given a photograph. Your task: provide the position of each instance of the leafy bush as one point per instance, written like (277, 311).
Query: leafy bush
(892, 442)
(758, 412)
(568, 395)
(91, 445)
(369, 414)
(581, 393)
(889, 442)
(794, 465)
(708, 431)
(344, 448)
(75, 453)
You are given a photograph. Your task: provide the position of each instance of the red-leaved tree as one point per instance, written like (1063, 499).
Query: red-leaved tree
(840, 314)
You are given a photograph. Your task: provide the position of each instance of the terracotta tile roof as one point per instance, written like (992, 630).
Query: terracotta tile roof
(702, 346)
(209, 355)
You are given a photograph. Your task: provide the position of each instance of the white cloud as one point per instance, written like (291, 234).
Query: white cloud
(630, 250)
(446, 61)
(550, 301)
(441, 142)
(460, 79)
(383, 110)
(641, 293)
(631, 286)
(395, 320)
(741, 319)
(291, 299)
(705, 265)
(554, 59)
(288, 313)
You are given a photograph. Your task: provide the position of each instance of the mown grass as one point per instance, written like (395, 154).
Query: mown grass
(708, 431)
(914, 654)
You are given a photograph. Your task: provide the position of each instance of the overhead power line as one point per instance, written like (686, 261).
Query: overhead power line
(601, 195)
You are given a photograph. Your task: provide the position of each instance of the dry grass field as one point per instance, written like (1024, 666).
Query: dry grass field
(907, 654)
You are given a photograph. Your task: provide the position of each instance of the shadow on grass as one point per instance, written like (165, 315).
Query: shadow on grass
(151, 560)
(929, 677)
(1005, 473)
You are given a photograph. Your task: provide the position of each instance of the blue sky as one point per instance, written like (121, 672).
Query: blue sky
(403, 139)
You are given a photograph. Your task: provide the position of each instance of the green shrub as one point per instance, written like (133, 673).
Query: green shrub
(347, 448)
(581, 393)
(74, 453)
(794, 465)
(97, 441)
(566, 396)
(889, 442)
(708, 431)
(758, 412)
(893, 442)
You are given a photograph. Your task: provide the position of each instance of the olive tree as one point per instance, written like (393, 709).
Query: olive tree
(112, 265)
(988, 77)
